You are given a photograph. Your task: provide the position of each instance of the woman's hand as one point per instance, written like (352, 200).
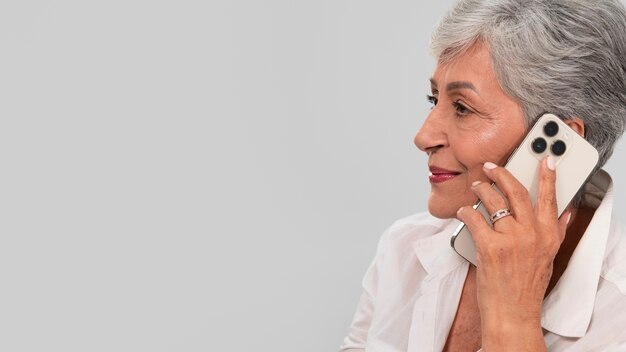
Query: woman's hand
(515, 257)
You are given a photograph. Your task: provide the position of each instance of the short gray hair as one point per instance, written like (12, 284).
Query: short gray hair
(567, 57)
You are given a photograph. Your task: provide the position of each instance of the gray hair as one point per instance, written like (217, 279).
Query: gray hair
(567, 57)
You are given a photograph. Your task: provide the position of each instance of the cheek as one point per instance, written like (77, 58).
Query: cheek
(476, 150)
(488, 137)
(490, 144)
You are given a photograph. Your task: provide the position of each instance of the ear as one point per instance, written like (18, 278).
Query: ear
(577, 124)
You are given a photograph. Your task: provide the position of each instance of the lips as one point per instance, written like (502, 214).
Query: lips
(439, 175)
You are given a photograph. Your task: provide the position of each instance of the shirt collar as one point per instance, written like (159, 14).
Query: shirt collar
(435, 253)
(567, 309)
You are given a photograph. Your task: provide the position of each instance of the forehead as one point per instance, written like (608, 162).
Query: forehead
(473, 65)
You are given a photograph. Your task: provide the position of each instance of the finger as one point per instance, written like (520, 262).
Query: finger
(476, 223)
(546, 205)
(563, 222)
(493, 201)
(513, 190)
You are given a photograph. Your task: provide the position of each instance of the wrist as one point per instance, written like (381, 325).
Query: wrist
(516, 334)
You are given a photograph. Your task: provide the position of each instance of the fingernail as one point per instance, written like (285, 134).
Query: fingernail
(551, 162)
(458, 212)
(475, 183)
(569, 217)
(490, 166)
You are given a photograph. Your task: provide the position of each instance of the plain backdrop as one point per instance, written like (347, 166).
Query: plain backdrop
(204, 176)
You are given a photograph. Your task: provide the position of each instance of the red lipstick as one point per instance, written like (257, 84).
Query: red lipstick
(439, 175)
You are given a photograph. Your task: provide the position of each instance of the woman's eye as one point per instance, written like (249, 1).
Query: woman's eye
(461, 109)
(431, 99)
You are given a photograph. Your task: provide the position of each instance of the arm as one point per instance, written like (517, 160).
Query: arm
(357, 337)
(356, 341)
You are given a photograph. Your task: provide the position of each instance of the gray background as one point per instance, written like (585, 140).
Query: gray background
(204, 176)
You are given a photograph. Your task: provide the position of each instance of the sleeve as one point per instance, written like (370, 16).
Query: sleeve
(356, 340)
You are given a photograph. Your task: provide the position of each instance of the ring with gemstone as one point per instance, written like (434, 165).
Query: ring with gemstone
(500, 214)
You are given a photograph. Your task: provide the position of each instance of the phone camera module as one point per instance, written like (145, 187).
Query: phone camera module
(558, 148)
(551, 129)
(539, 145)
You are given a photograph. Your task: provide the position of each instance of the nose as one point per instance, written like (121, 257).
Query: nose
(432, 135)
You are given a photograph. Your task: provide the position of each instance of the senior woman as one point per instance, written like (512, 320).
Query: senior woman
(542, 282)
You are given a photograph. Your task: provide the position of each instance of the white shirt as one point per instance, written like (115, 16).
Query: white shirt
(411, 290)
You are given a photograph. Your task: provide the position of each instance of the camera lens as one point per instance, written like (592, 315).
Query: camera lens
(539, 145)
(551, 129)
(558, 148)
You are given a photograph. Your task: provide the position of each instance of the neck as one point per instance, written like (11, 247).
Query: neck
(581, 217)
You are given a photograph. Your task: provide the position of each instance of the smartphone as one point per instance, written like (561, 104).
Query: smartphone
(575, 160)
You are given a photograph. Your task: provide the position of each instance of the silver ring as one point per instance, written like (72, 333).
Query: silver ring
(500, 214)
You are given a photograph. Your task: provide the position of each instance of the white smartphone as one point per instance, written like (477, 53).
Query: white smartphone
(575, 160)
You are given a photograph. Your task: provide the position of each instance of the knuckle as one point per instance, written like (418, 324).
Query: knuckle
(549, 200)
(488, 203)
(548, 177)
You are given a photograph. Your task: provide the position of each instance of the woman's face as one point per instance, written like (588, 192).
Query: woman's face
(472, 122)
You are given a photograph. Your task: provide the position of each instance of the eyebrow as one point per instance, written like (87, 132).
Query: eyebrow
(456, 85)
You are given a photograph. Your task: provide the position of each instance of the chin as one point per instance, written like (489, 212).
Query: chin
(442, 210)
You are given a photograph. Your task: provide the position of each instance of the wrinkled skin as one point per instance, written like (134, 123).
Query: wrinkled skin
(473, 127)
